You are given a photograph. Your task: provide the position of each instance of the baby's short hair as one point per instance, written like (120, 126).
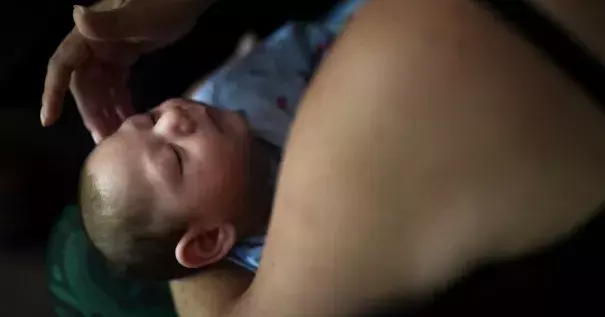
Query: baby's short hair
(130, 235)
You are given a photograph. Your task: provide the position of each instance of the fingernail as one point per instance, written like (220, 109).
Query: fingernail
(97, 138)
(43, 117)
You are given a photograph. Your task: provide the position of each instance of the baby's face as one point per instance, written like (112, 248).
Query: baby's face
(183, 155)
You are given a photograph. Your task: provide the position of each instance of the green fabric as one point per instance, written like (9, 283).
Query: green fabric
(83, 285)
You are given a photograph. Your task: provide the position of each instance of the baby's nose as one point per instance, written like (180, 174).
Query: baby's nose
(178, 122)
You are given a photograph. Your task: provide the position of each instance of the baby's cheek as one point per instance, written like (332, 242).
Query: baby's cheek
(219, 160)
(238, 123)
(231, 166)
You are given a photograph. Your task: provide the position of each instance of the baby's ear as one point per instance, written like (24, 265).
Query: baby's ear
(202, 246)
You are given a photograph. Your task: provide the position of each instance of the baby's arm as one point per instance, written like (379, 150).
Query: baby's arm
(211, 293)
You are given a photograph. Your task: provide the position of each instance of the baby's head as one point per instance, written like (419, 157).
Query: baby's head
(169, 192)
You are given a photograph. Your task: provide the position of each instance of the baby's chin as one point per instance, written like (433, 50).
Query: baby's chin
(99, 157)
(110, 164)
(95, 159)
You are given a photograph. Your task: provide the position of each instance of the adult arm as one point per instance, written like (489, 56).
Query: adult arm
(211, 293)
(431, 140)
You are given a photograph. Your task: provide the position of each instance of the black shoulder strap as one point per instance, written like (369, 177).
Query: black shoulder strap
(558, 45)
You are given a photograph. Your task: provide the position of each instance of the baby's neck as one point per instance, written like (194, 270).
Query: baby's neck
(262, 190)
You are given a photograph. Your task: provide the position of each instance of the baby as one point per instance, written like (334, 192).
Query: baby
(190, 183)
(184, 180)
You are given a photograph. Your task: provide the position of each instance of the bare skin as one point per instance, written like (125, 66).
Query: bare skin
(450, 142)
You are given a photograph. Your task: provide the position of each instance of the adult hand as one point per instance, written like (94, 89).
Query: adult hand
(93, 61)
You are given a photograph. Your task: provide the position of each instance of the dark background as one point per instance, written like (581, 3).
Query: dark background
(39, 167)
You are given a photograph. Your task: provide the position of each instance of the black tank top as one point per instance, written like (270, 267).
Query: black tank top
(561, 47)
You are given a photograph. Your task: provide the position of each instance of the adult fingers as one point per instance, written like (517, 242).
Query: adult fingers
(135, 20)
(70, 54)
(122, 99)
(91, 90)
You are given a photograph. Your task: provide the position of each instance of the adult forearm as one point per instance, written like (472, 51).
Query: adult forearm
(111, 4)
(191, 9)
